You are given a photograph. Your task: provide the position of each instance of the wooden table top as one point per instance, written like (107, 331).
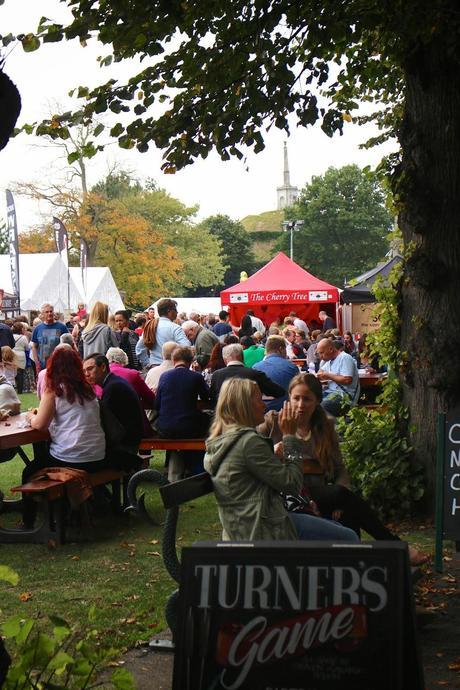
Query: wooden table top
(366, 380)
(12, 434)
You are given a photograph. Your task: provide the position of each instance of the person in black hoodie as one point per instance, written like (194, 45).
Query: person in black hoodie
(126, 337)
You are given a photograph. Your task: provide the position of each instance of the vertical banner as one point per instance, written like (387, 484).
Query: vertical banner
(62, 245)
(83, 263)
(12, 228)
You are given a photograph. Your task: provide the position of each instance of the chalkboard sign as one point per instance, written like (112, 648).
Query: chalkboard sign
(298, 615)
(451, 511)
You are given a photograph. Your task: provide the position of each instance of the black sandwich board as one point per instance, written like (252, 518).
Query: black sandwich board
(448, 482)
(451, 513)
(296, 615)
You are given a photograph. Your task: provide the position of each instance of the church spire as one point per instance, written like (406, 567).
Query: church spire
(287, 193)
(286, 180)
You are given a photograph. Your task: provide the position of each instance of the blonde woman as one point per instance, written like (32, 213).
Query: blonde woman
(97, 336)
(248, 477)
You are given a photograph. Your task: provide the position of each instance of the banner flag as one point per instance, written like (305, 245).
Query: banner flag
(62, 246)
(12, 228)
(83, 262)
(61, 239)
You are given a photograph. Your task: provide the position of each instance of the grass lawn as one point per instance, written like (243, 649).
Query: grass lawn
(119, 570)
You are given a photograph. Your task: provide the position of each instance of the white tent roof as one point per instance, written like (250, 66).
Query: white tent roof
(100, 286)
(203, 305)
(42, 278)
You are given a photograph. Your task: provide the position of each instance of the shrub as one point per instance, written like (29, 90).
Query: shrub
(378, 456)
(375, 443)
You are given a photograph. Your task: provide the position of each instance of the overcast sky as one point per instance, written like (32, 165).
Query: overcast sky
(45, 76)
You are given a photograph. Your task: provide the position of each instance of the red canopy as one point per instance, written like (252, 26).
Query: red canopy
(276, 289)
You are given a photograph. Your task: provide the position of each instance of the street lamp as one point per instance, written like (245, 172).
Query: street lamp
(292, 225)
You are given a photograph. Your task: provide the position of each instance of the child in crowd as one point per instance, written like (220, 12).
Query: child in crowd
(9, 365)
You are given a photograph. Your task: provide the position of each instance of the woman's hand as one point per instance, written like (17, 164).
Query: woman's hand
(287, 420)
(31, 413)
(278, 449)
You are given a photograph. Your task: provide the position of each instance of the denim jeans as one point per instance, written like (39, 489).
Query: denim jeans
(314, 528)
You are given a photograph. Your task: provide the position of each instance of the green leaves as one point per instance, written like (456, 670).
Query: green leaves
(30, 42)
(123, 679)
(8, 575)
(58, 660)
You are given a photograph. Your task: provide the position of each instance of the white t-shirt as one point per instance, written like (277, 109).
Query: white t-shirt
(76, 432)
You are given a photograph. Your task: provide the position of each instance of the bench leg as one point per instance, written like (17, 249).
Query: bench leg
(116, 500)
(50, 529)
(176, 466)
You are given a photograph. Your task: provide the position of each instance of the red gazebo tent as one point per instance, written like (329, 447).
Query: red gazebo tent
(276, 289)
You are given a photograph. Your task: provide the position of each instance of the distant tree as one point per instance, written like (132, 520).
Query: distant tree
(37, 240)
(118, 184)
(139, 259)
(146, 237)
(345, 226)
(199, 251)
(237, 252)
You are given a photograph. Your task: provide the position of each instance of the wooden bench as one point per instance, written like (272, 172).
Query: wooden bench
(174, 447)
(51, 495)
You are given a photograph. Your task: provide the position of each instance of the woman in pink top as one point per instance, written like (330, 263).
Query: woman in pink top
(118, 359)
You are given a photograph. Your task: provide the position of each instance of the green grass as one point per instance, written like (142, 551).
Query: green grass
(119, 570)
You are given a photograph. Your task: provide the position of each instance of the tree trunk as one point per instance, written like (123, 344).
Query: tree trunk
(429, 186)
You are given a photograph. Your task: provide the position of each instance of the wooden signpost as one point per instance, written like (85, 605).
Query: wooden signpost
(447, 482)
(298, 615)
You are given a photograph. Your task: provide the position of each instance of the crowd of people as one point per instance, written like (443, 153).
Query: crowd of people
(264, 395)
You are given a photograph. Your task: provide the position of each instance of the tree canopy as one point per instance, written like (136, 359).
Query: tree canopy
(345, 224)
(214, 74)
(236, 247)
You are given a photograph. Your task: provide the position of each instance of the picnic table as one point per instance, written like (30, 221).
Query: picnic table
(50, 492)
(368, 380)
(14, 432)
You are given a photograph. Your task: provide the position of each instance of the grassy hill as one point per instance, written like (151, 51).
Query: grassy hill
(265, 229)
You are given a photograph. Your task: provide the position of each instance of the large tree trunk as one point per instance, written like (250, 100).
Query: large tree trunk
(429, 187)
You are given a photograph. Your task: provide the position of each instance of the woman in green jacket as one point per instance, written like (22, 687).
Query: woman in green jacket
(248, 478)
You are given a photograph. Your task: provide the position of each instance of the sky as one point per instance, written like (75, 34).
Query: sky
(235, 188)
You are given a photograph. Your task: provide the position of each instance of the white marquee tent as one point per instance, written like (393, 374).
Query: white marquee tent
(43, 278)
(203, 305)
(100, 286)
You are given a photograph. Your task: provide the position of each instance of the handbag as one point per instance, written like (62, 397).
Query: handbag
(301, 503)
